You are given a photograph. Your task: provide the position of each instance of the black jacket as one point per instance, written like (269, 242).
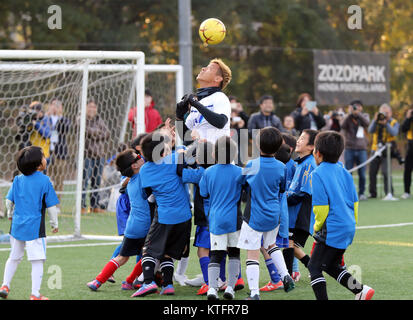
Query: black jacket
(259, 121)
(304, 122)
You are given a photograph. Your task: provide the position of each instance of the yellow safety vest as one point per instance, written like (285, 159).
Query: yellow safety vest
(36, 139)
(386, 136)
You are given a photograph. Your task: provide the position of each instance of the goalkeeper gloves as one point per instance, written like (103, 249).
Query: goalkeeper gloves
(182, 107)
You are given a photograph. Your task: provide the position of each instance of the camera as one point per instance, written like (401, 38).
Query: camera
(354, 106)
(24, 122)
(381, 116)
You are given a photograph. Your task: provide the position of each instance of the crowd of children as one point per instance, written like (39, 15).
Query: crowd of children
(286, 201)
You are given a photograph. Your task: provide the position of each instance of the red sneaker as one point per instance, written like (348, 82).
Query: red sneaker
(40, 297)
(203, 290)
(4, 292)
(272, 286)
(239, 285)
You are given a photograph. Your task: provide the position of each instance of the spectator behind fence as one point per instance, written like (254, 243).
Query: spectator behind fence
(97, 133)
(58, 144)
(407, 128)
(384, 129)
(289, 126)
(152, 117)
(334, 120)
(354, 126)
(42, 129)
(306, 116)
(239, 120)
(265, 117)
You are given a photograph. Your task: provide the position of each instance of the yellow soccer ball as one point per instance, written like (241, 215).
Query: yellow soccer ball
(212, 31)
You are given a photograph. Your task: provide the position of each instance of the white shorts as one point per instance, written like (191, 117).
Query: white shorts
(36, 249)
(223, 241)
(250, 239)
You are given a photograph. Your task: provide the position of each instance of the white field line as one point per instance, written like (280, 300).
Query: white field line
(192, 238)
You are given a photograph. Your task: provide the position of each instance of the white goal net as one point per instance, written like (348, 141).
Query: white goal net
(75, 105)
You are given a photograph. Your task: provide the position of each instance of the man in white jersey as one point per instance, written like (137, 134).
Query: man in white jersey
(210, 109)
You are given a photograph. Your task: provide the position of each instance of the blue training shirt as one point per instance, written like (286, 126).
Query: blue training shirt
(167, 187)
(300, 184)
(139, 219)
(220, 184)
(333, 187)
(31, 196)
(264, 186)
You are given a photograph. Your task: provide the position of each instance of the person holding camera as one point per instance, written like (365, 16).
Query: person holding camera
(384, 129)
(42, 129)
(354, 126)
(306, 115)
(407, 128)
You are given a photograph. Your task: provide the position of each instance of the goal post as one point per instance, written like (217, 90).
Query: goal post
(114, 79)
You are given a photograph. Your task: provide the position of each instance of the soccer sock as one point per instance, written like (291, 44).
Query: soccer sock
(319, 287)
(167, 268)
(222, 268)
(272, 270)
(37, 275)
(253, 275)
(182, 266)
(203, 262)
(137, 270)
(279, 262)
(233, 271)
(10, 270)
(305, 260)
(347, 281)
(288, 254)
(116, 252)
(295, 265)
(108, 270)
(213, 274)
(148, 269)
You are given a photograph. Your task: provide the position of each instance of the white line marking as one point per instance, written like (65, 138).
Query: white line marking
(192, 238)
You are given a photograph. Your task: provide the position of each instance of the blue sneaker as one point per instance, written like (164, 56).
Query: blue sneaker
(146, 289)
(94, 285)
(168, 290)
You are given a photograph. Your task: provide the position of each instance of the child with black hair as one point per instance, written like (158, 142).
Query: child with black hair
(299, 200)
(26, 202)
(138, 222)
(220, 184)
(171, 227)
(335, 206)
(264, 179)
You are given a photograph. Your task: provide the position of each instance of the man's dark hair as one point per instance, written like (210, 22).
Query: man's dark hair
(153, 146)
(225, 150)
(265, 97)
(330, 144)
(148, 93)
(283, 154)
(124, 161)
(137, 141)
(230, 98)
(289, 140)
(270, 140)
(29, 159)
(311, 135)
(356, 102)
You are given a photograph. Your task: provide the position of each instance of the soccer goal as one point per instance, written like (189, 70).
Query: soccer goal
(75, 105)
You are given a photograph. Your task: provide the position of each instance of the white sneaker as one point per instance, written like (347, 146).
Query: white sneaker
(180, 278)
(390, 197)
(362, 197)
(222, 285)
(198, 281)
(229, 293)
(212, 294)
(405, 196)
(366, 294)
